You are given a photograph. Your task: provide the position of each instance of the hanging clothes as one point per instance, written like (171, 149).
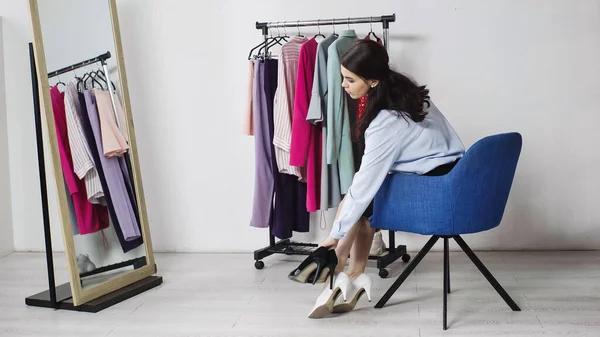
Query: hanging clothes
(91, 218)
(248, 121)
(317, 114)
(279, 198)
(125, 164)
(339, 142)
(113, 140)
(83, 165)
(99, 160)
(305, 150)
(264, 180)
(284, 105)
(290, 214)
(113, 173)
(71, 208)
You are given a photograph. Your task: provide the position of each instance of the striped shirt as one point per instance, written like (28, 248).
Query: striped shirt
(83, 164)
(287, 73)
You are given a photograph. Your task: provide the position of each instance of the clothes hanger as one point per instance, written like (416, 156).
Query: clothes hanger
(257, 46)
(274, 41)
(277, 39)
(102, 79)
(60, 82)
(298, 27)
(271, 41)
(319, 27)
(371, 32)
(79, 79)
(103, 76)
(95, 76)
(285, 34)
(85, 78)
(92, 76)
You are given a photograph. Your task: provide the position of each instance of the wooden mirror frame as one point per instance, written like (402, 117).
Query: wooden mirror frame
(80, 295)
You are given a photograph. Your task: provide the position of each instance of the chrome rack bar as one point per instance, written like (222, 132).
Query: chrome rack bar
(385, 19)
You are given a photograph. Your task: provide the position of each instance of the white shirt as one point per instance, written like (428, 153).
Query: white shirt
(396, 144)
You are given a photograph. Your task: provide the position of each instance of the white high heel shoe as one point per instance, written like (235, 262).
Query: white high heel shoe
(361, 285)
(325, 302)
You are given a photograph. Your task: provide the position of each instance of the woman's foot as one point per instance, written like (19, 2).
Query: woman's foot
(325, 302)
(359, 286)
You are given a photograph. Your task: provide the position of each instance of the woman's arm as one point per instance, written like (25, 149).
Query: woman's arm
(383, 143)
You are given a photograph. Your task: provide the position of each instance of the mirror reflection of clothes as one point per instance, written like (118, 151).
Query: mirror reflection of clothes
(113, 140)
(126, 245)
(72, 217)
(90, 217)
(83, 165)
(113, 173)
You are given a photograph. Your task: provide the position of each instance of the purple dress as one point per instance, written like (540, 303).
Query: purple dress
(289, 212)
(115, 175)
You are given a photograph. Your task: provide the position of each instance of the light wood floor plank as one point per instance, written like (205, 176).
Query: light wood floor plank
(224, 295)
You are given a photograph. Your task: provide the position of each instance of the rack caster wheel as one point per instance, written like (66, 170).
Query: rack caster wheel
(383, 273)
(259, 265)
(288, 250)
(405, 257)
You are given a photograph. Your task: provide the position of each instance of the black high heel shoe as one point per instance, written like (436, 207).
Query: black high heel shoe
(327, 270)
(311, 265)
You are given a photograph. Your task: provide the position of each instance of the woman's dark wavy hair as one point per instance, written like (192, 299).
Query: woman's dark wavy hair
(369, 60)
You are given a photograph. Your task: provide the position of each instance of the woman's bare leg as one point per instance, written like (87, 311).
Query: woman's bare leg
(359, 255)
(344, 247)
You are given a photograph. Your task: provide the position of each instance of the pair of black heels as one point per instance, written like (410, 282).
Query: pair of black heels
(316, 267)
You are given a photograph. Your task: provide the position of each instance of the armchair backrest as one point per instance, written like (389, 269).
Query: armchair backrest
(481, 181)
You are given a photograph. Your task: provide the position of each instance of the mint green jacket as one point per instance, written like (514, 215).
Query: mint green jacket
(339, 142)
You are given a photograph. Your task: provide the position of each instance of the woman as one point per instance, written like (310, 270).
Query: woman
(402, 131)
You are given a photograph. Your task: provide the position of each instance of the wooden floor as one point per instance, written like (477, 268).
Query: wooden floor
(223, 295)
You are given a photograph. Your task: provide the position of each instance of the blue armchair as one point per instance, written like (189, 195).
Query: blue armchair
(469, 199)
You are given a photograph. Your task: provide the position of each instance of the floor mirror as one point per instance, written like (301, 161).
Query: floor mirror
(86, 114)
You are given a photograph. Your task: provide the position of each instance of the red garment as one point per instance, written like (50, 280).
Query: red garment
(90, 218)
(305, 150)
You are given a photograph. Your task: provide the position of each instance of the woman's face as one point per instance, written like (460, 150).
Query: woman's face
(355, 85)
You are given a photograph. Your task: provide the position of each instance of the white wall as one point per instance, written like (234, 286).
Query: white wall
(6, 230)
(492, 66)
(25, 191)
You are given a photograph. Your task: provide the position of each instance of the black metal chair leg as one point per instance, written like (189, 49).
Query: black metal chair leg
(486, 273)
(446, 273)
(448, 267)
(411, 266)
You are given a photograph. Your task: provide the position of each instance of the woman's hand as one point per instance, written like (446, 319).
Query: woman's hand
(330, 243)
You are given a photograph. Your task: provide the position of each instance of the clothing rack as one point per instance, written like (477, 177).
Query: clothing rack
(60, 297)
(286, 246)
(384, 20)
(102, 59)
